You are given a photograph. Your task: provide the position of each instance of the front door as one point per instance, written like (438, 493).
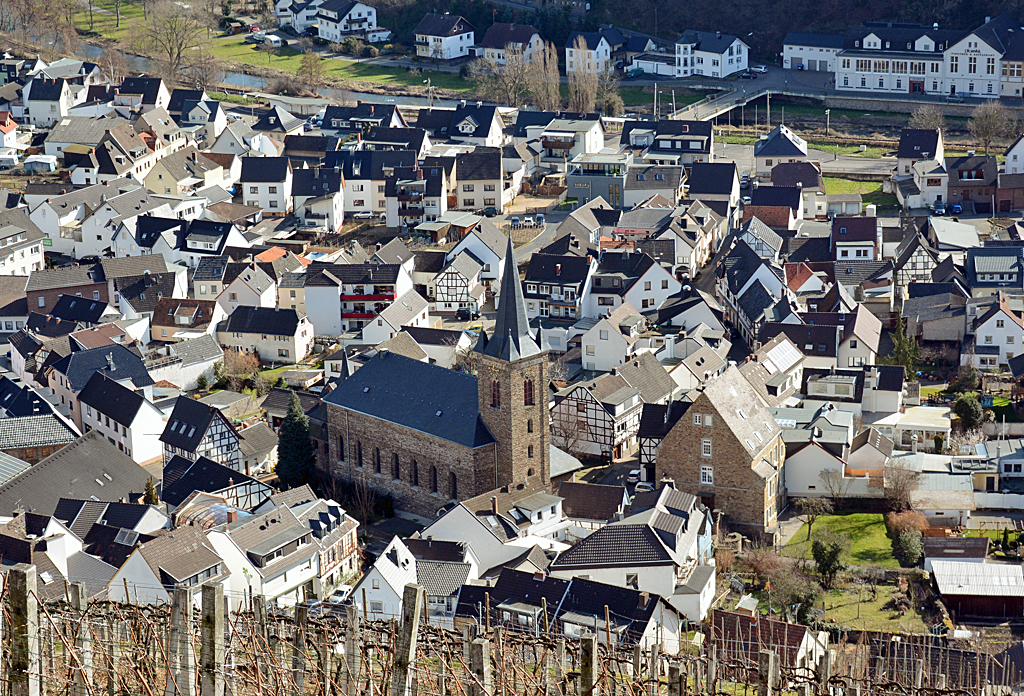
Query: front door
(990, 484)
(967, 194)
(952, 90)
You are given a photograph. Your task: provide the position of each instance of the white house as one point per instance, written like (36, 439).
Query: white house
(596, 55)
(271, 554)
(384, 584)
(612, 340)
(250, 288)
(124, 416)
(488, 244)
(181, 557)
(628, 277)
(408, 310)
(319, 197)
(443, 36)
(501, 35)
(713, 54)
(457, 286)
(338, 19)
(998, 333)
(266, 182)
(281, 335)
(48, 100)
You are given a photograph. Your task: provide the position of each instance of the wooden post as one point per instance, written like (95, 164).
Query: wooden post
(83, 641)
(469, 632)
(588, 663)
(653, 676)
(638, 661)
(181, 675)
(405, 653)
(326, 653)
(481, 667)
(113, 636)
(299, 647)
(560, 658)
(675, 679)
(824, 671)
(767, 673)
(607, 628)
(211, 654)
(544, 609)
(487, 613)
(350, 677)
(24, 665)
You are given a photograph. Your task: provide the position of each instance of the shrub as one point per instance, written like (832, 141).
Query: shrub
(371, 52)
(907, 548)
(899, 522)
(765, 563)
(827, 550)
(968, 410)
(202, 383)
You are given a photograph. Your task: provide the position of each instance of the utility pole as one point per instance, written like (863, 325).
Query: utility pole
(769, 120)
(827, 119)
(655, 101)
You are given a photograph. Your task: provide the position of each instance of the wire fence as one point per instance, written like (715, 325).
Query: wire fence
(193, 645)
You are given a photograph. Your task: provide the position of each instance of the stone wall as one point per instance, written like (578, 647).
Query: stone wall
(417, 452)
(738, 492)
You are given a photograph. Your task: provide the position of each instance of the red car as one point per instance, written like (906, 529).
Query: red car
(254, 28)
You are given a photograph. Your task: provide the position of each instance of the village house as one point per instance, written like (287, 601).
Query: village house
(123, 415)
(443, 37)
(195, 430)
(281, 335)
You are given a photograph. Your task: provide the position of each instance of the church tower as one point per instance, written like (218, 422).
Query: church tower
(512, 387)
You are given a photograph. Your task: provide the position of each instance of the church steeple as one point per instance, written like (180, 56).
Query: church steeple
(512, 335)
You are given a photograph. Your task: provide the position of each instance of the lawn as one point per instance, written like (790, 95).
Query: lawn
(855, 606)
(272, 375)
(106, 25)
(869, 540)
(869, 152)
(870, 191)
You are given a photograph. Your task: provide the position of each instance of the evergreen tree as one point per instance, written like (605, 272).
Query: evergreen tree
(905, 350)
(150, 497)
(295, 451)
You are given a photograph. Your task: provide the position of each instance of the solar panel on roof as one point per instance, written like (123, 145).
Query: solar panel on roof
(784, 356)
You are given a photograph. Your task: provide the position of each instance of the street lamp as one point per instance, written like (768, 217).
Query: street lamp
(430, 93)
(827, 112)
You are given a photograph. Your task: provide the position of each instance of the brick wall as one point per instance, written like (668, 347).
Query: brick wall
(50, 296)
(473, 469)
(740, 493)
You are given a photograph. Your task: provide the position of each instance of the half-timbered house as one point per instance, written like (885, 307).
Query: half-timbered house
(457, 286)
(198, 430)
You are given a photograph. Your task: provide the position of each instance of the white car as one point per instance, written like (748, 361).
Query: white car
(362, 215)
(759, 69)
(340, 594)
(643, 487)
(633, 476)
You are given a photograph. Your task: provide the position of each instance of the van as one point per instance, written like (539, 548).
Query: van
(273, 41)
(259, 36)
(8, 161)
(540, 220)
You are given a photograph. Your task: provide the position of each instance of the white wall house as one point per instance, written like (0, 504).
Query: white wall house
(713, 54)
(408, 310)
(281, 335)
(266, 182)
(340, 18)
(814, 52)
(385, 582)
(596, 56)
(125, 417)
(251, 288)
(443, 36)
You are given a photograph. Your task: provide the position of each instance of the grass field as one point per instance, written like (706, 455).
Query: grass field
(105, 23)
(855, 606)
(869, 540)
(870, 191)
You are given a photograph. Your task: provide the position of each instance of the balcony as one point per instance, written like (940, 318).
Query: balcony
(376, 297)
(357, 315)
(410, 197)
(552, 144)
(410, 212)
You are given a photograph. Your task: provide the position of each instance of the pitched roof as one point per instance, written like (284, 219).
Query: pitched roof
(445, 24)
(918, 143)
(261, 320)
(79, 309)
(179, 555)
(115, 360)
(441, 578)
(42, 430)
(484, 163)
(416, 395)
(101, 470)
(148, 87)
(264, 169)
(789, 196)
(591, 501)
(512, 338)
(143, 292)
(188, 423)
(181, 477)
(276, 120)
(781, 142)
(112, 399)
(797, 38)
(80, 515)
(712, 178)
(256, 438)
(501, 34)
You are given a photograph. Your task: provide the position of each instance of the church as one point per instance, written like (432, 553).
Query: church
(428, 435)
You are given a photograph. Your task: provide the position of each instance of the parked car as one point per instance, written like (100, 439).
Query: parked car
(490, 212)
(643, 487)
(467, 314)
(747, 200)
(363, 215)
(635, 72)
(541, 220)
(745, 181)
(634, 476)
(747, 75)
(759, 69)
(340, 595)
(799, 66)
(528, 221)
(957, 209)
(515, 221)
(955, 99)
(939, 208)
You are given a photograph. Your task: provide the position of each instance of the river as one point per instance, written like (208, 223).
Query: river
(257, 84)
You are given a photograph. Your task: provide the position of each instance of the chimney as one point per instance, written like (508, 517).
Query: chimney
(558, 269)
(494, 504)
(232, 516)
(913, 440)
(644, 598)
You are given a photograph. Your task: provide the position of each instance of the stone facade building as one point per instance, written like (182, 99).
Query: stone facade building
(728, 451)
(428, 435)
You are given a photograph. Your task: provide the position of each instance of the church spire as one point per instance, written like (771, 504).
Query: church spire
(512, 335)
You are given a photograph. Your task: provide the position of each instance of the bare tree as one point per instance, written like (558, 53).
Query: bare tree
(989, 121)
(899, 483)
(813, 508)
(505, 83)
(569, 434)
(237, 362)
(172, 31)
(114, 65)
(608, 98)
(311, 69)
(928, 117)
(545, 81)
(205, 71)
(364, 499)
(582, 74)
(968, 438)
(837, 485)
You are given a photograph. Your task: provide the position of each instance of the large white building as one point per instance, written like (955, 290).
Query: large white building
(710, 53)
(443, 37)
(916, 59)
